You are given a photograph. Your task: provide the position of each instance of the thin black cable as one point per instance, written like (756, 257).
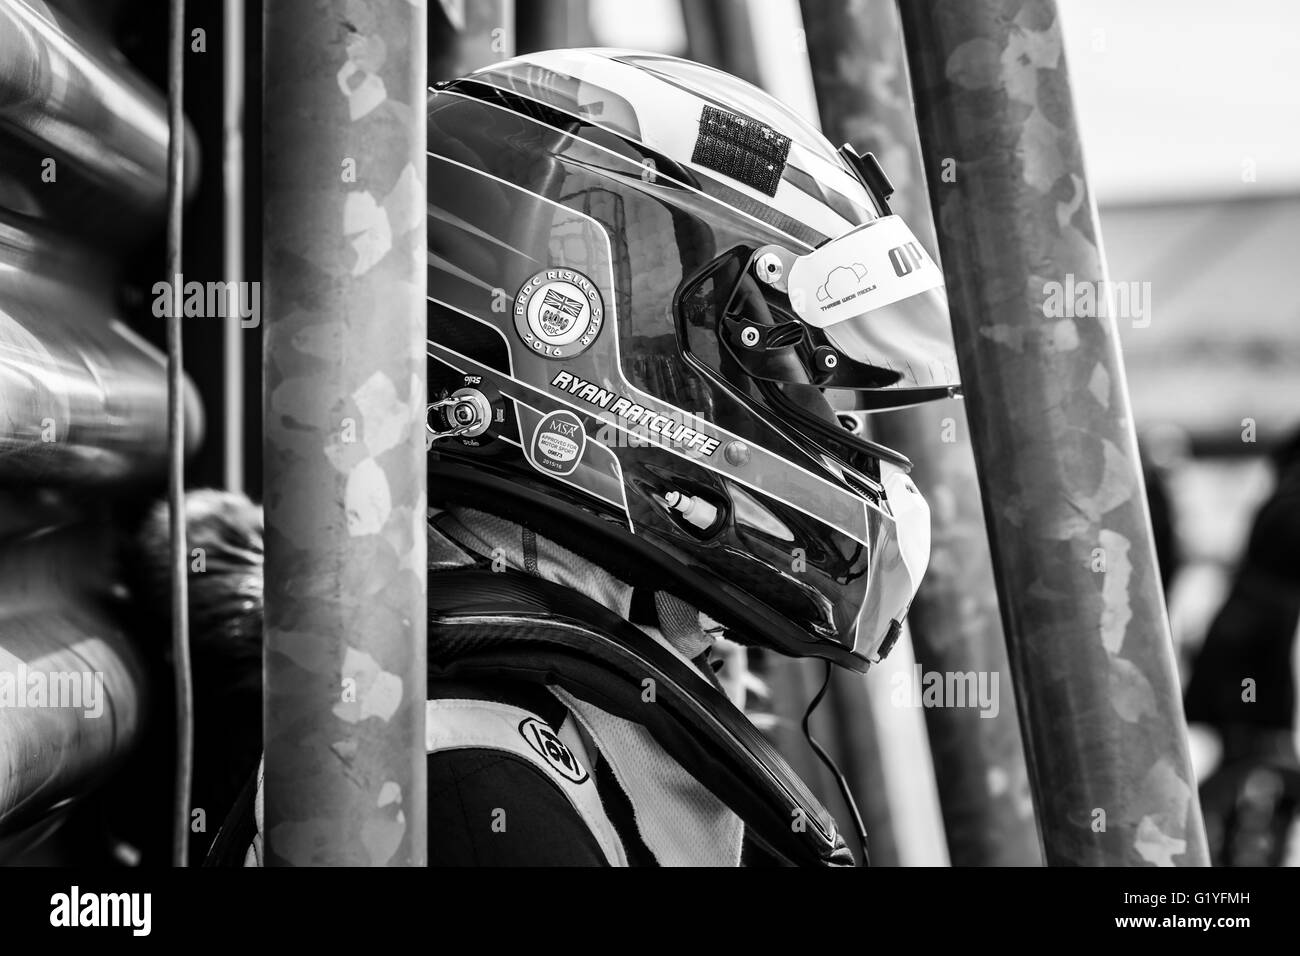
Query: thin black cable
(825, 758)
(176, 440)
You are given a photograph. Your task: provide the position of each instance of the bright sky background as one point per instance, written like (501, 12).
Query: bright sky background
(1174, 95)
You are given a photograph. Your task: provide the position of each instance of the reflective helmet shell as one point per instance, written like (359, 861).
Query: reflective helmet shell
(583, 246)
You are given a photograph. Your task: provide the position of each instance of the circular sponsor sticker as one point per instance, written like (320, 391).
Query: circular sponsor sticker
(559, 313)
(558, 443)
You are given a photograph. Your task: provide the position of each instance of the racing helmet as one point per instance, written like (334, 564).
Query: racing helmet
(645, 276)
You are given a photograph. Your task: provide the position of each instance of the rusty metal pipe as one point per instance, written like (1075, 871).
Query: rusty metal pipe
(1052, 430)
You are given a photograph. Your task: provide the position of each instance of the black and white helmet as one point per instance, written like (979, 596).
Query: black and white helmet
(644, 275)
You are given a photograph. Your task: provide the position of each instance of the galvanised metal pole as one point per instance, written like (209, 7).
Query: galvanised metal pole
(344, 462)
(856, 51)
(1052, 430)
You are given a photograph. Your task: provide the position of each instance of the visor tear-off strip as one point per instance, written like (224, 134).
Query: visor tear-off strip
(743, 148)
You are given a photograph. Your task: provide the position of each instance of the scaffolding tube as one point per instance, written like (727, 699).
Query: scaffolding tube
(344, 267)
(1051, 424)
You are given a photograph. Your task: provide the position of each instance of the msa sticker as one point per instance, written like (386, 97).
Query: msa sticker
(558, 443)
(552, 749)
(875, 265)
(559, 313)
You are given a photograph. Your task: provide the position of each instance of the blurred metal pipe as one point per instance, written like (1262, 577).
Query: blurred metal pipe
(482, 32)
(58, 648)
(57, 753)
(232, 140)
(856, 51)
(344, 270)
(82, 398)
(852, 736)
(776, 27)
(92, 14)
(553, 25)
(65, 96)
(1052, 431)
(909, 783)
(178, 551)
(720, 33)
(845, 725)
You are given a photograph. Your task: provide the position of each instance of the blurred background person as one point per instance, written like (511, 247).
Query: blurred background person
(1243, 685)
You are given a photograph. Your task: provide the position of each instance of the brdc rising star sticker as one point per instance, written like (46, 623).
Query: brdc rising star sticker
(559, 313)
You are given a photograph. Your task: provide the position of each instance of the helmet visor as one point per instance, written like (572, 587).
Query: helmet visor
(878, 297)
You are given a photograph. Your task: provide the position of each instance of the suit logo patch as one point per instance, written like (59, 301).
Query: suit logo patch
(558, 313)
(552, 749)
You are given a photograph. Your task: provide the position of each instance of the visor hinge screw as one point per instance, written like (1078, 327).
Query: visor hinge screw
(827, 358)
(749, 336)
(736, 453)
(768, 267)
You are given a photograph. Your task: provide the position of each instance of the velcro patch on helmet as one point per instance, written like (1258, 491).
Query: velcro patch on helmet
(741, 147)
